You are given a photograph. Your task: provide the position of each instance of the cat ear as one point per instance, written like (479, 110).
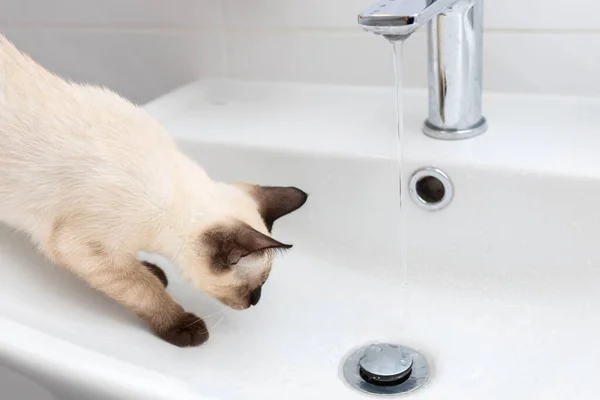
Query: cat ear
(228, 244)
(274, 202)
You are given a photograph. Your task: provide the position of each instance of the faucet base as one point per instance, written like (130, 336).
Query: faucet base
(454, 134)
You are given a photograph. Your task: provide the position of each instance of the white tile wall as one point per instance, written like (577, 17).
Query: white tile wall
(335, 14)
(513, 62)
(142, 48)
(529, 46)
(141, 65)
(111, 13)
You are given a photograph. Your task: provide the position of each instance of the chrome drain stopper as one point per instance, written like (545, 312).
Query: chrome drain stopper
(385, 368)
(385, 364)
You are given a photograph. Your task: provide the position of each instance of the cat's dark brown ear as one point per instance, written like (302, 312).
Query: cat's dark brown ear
(274, 202)
(227, 244)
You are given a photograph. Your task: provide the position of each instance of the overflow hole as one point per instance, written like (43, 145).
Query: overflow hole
(430, 189)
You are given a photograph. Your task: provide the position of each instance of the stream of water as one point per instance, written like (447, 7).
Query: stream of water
(398, 46)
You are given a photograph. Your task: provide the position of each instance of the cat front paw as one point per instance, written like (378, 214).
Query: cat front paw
(189, 330)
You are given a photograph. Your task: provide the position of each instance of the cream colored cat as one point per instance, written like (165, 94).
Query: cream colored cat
(94, 179)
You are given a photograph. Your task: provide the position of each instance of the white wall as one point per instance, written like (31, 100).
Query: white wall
(142, 48)
(548, 46)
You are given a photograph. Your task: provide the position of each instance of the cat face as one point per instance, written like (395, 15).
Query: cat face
(236, 254)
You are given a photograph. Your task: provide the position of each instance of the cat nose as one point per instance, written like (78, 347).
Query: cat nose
(255, 296)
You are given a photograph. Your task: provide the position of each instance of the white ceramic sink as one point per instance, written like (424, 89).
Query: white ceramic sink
(501, 293)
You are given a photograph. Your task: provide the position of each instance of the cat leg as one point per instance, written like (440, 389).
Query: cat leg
(132, 284)
(158, 272)
(138, 289)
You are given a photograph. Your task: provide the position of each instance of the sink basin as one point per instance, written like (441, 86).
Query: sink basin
(500, 293)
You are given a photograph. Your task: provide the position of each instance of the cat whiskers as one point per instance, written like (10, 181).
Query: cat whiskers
(176, 257)
(225, 312)
(222, 311)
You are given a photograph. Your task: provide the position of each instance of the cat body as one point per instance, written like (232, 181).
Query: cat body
(93, 180)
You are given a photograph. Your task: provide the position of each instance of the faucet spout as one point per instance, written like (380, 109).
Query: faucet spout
(398, 19)
(455, 48)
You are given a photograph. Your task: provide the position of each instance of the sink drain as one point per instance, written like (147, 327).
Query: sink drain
(384, 368)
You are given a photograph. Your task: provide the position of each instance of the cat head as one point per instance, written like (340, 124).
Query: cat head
(235, 251)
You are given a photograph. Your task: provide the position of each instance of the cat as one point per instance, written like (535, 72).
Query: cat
(93, 179)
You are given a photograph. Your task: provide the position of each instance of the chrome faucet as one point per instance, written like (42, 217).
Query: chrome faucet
(455, 39)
